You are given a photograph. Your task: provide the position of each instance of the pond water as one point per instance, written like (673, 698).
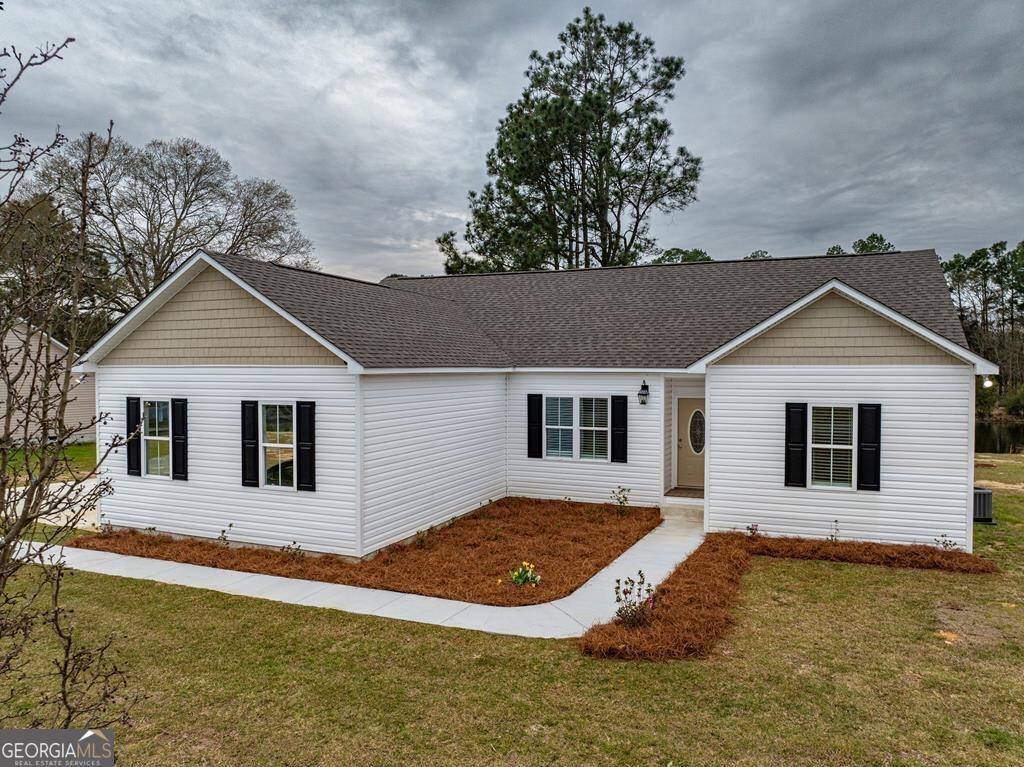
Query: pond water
(998, 437)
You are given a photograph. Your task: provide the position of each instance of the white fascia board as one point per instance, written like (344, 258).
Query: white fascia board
(980, 364)
(638, 371)
(170, 287)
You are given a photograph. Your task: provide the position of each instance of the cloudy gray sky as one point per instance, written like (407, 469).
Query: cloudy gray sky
(818, 121)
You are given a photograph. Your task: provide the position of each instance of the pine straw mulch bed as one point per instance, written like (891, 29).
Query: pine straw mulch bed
(693, 606)
(469, 559)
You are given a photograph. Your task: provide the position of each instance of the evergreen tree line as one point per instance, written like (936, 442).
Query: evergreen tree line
(987, 287)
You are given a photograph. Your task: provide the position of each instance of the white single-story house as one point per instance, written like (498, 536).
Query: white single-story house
(812, 396)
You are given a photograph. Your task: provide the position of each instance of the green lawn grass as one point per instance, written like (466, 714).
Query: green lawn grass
(827, 664)
(1003, 468)
(80, 458)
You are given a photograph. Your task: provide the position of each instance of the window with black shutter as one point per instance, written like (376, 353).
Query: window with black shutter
(305, 445)
(132, 422)
(620, 430)
(250, 443)
(534, 425)
(179, 439)
(869, 447)
(796, 444)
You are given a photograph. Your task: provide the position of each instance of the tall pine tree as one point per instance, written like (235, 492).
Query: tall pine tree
(582, 159)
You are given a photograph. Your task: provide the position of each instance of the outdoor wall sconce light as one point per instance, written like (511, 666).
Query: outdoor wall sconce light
(987, 382)
(644, 393)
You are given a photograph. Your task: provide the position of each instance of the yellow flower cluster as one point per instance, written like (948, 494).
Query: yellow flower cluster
(526, 573)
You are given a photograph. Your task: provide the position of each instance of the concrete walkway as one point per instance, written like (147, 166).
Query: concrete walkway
(657, 554)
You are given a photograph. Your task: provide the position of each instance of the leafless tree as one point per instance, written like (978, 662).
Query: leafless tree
(154, 206)
(42, 497)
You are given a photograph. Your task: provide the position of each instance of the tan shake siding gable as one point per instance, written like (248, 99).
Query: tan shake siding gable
(212, 321)
(836, 331)
(81, 405)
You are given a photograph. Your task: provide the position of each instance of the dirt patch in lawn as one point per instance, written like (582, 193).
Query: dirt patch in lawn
(469, 559)
(967, 624)
(995, 484)
(693, 606)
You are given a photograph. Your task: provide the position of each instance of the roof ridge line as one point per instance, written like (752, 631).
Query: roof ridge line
(642, 266)
(304, 270)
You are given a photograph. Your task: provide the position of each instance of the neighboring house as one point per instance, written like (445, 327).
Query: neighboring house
(808, 395)
(81, 406)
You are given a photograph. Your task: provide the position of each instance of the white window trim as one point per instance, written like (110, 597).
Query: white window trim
(263, 445)
(606, 429)
(811, 444)
(576, 456)
(143, 438)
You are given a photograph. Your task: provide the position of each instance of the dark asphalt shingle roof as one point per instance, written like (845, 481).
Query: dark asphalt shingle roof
(664, 316)
(377, 325)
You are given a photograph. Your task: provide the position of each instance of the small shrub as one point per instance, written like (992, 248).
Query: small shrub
(834, 535)
(105, 529)
(420, 541)
(635, 600)
(620, 497)
(946, 543)
(222, 539)
(752, 529)
(293, 550)
(525, 575)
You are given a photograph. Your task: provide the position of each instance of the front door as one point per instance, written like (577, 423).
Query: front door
(690, 425)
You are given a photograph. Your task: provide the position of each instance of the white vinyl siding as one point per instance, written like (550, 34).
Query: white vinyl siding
(214, 497)
(926, 465)
(588, 480)
(433, 449)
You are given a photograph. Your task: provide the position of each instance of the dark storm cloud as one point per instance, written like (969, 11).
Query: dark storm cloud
(817, 121)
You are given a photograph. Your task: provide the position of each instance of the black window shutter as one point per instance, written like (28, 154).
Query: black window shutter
(796, 444)
(534, 425)
(869, 447)
(250, 443)
(305, 446)
(620, 409)
(179, 438)
(132, 421)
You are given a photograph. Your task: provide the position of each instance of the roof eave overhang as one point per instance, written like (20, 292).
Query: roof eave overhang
(169, 288)
(980, 364)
